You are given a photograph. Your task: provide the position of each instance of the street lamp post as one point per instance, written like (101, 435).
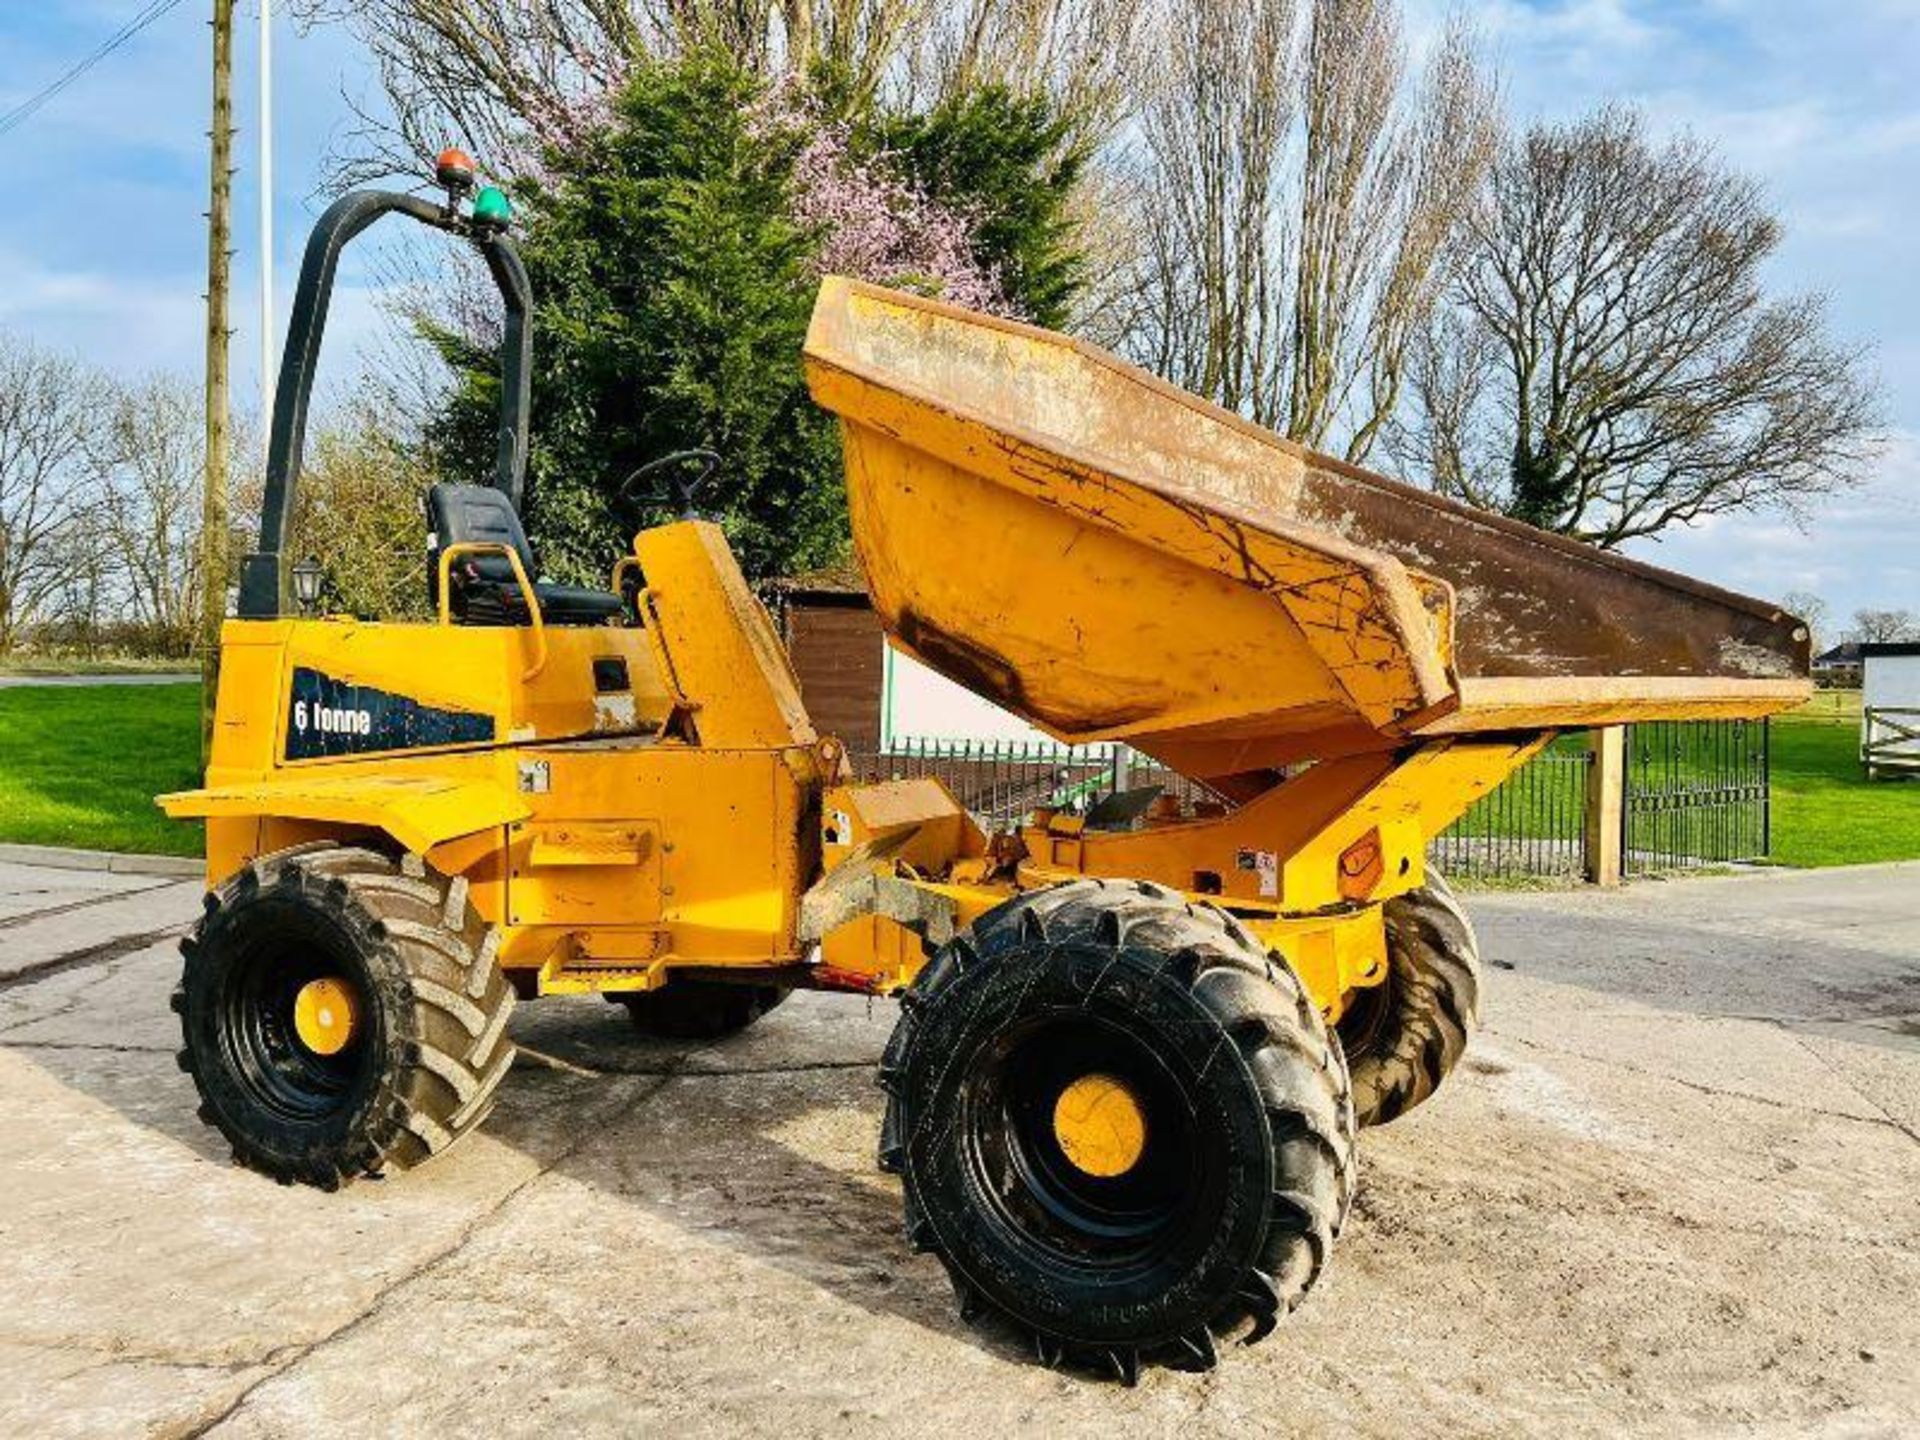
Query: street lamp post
(266, 216)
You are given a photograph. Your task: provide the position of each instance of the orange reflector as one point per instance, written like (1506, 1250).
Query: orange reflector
(1361, 866)
(454, 169)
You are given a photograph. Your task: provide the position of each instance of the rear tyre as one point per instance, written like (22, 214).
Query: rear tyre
(1119, 1124)
(1404, 1036)
(700, 1009)
(342, 1013)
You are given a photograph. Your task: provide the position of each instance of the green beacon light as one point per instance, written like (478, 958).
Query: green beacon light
(492, 209)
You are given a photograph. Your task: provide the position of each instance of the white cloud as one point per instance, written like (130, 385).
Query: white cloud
(1588, 25)
(129, 325)
(133, 326)
(1858, 550)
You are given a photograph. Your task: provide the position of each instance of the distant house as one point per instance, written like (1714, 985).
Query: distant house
(1838, 668)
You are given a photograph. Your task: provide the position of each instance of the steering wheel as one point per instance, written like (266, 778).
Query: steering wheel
(678, 490)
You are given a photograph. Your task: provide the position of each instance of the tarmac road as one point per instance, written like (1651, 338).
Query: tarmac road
(1675, 1188)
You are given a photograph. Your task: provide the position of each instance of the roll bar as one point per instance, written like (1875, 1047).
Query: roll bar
(263, 574)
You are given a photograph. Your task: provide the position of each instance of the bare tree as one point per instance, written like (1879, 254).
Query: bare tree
(484, 73)
(504, 75)
(1349, 176)
(149, 516)
(358, 512)
(1083, 53)
(1613, 365)
(50, 406)
(1812, 609)
(1304, 186)
(1211, 309)
(1880, 627)
(1451, 140)
(85, 602)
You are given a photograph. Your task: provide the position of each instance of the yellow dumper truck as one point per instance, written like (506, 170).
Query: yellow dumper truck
(1134, 1043)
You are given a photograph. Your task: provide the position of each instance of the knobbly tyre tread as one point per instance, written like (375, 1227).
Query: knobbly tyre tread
(433, 966)
(1433, 1001)
(700, 1009)
(1258, 1004)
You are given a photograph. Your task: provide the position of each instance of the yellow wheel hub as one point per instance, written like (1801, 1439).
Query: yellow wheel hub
(323, 1015)
(1100, 1125)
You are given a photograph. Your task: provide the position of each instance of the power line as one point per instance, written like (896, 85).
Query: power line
(27, 108)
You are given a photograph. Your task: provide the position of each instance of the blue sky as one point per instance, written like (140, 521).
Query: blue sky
(1820, 102)
(102, 238)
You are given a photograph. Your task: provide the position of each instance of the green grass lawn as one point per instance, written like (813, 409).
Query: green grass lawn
(1824, 810)
(80, 765)
(1546, 800)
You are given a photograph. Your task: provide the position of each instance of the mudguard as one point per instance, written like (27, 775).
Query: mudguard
(417, 810)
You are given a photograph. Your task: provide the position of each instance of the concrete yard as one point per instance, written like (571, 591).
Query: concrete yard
(1675, 1189)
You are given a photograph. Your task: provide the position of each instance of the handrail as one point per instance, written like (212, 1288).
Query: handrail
(262, 581)
(532, 596)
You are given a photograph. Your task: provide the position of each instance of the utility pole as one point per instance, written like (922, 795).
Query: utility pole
(213, 500)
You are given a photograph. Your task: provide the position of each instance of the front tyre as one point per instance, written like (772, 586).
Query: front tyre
(1118, 1123)
(342, 1013)
(1404, 1036)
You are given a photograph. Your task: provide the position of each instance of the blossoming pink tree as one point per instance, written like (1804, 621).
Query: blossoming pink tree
(875, 224)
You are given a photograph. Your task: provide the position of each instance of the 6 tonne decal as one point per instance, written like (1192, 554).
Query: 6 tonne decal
(332, 717)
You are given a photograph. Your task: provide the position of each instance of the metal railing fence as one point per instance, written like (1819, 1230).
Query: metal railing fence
(1533, 826)
(1695, 794)
(1003, 781)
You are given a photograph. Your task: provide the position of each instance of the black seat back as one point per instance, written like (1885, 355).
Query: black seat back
(476, 514)
(485, 591)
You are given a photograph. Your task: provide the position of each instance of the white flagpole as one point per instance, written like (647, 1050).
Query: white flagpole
(267, 368)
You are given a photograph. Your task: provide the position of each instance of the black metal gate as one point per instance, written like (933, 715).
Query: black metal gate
(1696, 794)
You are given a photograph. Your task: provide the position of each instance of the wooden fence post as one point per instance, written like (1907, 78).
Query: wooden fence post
(1606, 799)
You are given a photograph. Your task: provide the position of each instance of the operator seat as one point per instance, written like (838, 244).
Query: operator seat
(484, 591)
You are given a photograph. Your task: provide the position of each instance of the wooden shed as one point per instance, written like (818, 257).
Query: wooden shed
(838, 651)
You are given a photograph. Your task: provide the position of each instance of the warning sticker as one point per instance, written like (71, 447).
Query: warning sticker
(1266, 865)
